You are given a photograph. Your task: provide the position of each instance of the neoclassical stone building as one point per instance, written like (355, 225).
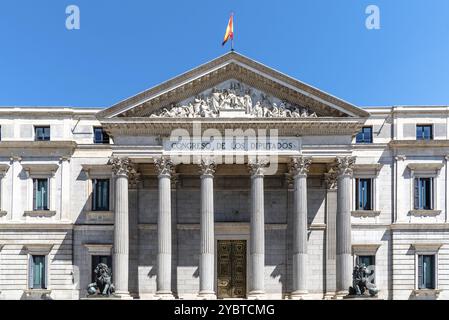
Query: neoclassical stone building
(231, 181)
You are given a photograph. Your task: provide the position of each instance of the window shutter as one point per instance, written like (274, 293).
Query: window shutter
(94, 194)
(416, 201)
(46, 262)
(30, 272)
(34, 193)
(420, 272)
(45, 194)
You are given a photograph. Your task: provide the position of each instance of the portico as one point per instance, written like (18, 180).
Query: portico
(296, 170)
(236, 120)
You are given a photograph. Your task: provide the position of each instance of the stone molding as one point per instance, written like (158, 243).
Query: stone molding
(40, 213)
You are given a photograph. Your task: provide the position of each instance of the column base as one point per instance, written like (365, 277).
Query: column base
(329, 296)
(164, 295)
(256, 295)
(207, 295)
(123, 295)
(341, 294)
(299, 295)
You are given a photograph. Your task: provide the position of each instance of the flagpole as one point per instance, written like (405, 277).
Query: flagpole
(232, 39)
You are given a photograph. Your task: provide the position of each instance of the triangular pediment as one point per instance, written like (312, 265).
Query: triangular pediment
(232, 86)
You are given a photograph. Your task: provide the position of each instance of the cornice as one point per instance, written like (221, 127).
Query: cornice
(285, 126)
(395, 144)
(67, 144)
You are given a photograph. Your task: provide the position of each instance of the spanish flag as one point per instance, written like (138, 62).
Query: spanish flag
(229, 30)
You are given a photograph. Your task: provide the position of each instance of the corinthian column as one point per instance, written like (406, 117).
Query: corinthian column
(257, 233)
(207, 171)
(299, 168)
(344, 260)
(122, 169)
(164, 167)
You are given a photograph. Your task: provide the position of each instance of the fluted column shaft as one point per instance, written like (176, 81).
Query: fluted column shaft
(257, 232)
(164, 232)
(344, 260)
(207, 229)
(121, 234)
(122, 168)
(299, 168)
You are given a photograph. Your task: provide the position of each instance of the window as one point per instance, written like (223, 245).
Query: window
(100, 195)
(40, 194)
(37, 273)
(42, 133)
(369, 262)
(100, 136)
(96, 260)
(423, 194)
(424, 132)
(364, 194)
(365, 136)
(426, 272)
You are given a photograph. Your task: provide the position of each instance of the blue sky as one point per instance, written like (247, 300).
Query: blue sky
(122, 49)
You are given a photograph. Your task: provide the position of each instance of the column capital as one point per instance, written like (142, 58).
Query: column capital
(400, 158)
(345, 165)
(164, 166)
(207, 167)
(330, 178)
(299, 166)
(122, 166)
(257, 167)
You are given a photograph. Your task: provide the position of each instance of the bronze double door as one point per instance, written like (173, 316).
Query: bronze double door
(231, 268)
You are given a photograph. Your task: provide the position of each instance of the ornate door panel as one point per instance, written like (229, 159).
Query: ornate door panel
(231, 268)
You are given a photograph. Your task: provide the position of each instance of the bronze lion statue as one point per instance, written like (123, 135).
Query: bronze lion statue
(103, 282)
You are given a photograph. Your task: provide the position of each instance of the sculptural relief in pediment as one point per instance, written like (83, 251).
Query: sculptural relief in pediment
(234, 99)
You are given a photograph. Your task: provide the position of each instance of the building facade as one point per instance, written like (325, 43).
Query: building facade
(229, 181)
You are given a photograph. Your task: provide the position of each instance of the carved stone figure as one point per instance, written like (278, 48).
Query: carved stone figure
(361, 282)
(103, 285)
(237, 97)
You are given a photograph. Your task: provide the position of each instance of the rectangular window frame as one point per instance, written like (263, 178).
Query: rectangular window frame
(106, 139)
(422, 285)
(35, 182)
(42, 137)
(38, 250)
(369, 195)
(94, 182)
(363, 135)
(427, 249)
(421, 200)
(32, 274)
(421, 137)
